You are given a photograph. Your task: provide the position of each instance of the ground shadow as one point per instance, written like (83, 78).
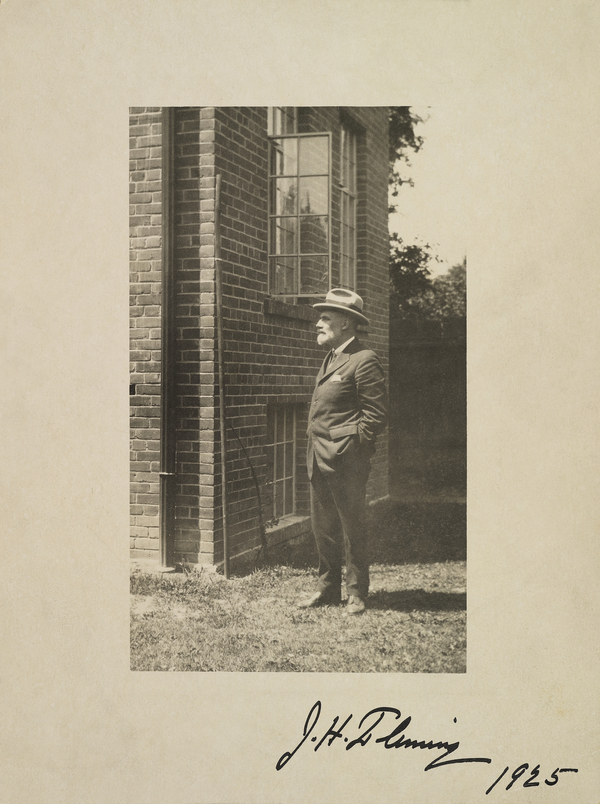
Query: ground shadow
(418, 600)
(418, 533)
(399, 533)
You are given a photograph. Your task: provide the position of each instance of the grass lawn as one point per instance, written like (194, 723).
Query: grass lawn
(415, 621)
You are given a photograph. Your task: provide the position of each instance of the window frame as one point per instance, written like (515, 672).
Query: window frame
(273, 481)
(349, 131)
(271, 216)
(272, 119)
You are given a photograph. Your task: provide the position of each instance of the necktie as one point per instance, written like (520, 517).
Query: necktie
(328, 360)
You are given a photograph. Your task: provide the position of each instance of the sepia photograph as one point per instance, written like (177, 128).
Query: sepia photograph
(363, 536)
(298, 393)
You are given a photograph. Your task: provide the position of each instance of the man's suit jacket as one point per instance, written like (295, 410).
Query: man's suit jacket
(348, 410)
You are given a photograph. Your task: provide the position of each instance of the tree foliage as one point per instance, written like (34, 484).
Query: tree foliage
(402, 140)
(414, 293)
(410, 275)
(450, 292)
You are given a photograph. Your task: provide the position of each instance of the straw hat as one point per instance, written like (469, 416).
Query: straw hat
(345, 300)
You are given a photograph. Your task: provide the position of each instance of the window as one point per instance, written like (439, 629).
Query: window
(281, 460)
(299, 214)
(282, 120)
(348, 208)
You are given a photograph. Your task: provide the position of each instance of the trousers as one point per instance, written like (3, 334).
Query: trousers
(338, 513)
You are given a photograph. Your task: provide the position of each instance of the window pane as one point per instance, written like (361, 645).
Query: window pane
(281, 474)
(270, 428)
(289, 459)
(289, 424)
(288, 121)
(284, 193)
(279, 465)
(270, 464)
(345, 210)
(344, 271)
(283, 275)
(284, 236)
(281, 426)
(348, 161)
(314, 274)
(352, 169)
(347, 278)
(345, 160)
(348, 210)
(284, 157)
(280, 433)
(314, 155)
(314, 195)
(289, 497)
(277, 499)
(314, 234)
(347, 235)
(349, 243)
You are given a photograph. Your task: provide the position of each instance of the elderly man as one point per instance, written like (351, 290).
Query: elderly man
(347, 411)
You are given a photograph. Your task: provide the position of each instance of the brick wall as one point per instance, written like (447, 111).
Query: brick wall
(251, 372)
(145, 273)
(271, 355)
(197, 403)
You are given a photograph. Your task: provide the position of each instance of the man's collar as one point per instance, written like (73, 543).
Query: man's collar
(341, 348)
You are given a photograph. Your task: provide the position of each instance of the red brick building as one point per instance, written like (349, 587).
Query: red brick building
(291, 201)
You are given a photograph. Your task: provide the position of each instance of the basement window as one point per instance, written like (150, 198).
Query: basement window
(281, 461)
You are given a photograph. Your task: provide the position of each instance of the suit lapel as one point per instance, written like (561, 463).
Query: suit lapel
(337, 362)
(321, 373)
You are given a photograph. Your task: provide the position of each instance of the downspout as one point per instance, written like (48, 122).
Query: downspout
(167, 349)
(221, 350)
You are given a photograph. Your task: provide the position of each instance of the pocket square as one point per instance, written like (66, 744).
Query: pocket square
(336, 378)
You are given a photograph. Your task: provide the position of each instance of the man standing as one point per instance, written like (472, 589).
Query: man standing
(347, 411)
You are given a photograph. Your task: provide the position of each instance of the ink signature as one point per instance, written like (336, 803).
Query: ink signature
(397, 738)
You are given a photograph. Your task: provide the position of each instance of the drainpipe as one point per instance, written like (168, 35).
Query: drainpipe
(221, 350)
(167, 350)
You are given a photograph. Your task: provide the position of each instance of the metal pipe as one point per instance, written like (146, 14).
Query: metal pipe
(167, 348)
(264, 547)
(221, 350)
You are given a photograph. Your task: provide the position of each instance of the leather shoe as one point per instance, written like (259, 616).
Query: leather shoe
(319, 599)
(355, 605)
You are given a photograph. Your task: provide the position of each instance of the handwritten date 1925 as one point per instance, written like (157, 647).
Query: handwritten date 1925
(530, 780)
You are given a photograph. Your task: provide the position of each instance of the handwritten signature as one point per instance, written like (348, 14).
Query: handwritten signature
(396, 738)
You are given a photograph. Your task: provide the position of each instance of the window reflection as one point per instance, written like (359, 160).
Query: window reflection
(314, 195)
(314, 234)
(314, 156)
(299, 215)
(284, 193)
